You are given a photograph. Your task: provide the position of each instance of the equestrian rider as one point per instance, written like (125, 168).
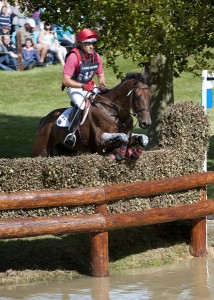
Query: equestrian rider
(81, 65)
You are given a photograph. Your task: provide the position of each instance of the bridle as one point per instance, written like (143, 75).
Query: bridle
(140, 110)
(131, 93)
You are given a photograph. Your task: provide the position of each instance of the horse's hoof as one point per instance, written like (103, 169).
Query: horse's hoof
(143, 140)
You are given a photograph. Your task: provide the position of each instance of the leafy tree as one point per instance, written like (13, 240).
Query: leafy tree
(162, 34)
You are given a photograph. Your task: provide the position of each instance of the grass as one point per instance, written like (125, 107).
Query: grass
(61, 258)
(187, 87)
(26, 98)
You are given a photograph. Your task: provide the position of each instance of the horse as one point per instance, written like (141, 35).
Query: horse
(108, 125)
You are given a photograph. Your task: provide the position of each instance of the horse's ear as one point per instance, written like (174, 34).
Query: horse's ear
(147, 78)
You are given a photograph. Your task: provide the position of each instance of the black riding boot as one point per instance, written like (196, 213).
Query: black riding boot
(70, 139)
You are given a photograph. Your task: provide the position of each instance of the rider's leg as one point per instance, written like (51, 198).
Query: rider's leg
(77, 97)
(70, 139)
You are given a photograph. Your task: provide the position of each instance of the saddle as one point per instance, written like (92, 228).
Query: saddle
(64, 120)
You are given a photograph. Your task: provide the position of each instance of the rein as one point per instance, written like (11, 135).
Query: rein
(111, 102)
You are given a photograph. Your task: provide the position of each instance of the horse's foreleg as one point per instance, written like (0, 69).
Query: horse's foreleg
(112, 137)
(140, 139)
(123, 140)
(137, 144)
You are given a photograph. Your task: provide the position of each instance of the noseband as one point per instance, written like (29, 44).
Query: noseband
(140, 110)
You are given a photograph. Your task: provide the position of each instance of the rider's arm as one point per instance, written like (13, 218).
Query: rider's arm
(100, 72)
(101, 79)
(68, 82)
(69, 69)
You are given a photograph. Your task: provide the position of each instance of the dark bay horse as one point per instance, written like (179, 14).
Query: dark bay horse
(108, 123)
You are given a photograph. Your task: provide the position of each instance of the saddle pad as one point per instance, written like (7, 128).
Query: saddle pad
(63, 120)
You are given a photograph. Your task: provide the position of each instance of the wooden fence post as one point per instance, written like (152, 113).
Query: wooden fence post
(198, 247)
(99, 249)
(19, 47)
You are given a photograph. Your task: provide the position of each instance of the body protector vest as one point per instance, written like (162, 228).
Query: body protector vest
(86, 67)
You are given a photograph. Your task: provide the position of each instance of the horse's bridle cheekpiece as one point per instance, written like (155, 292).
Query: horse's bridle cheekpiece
(130, 93)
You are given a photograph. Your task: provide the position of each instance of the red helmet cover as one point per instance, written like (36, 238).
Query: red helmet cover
(86, 34)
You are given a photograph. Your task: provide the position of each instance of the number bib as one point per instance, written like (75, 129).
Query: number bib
(87, 68)
(87, 72)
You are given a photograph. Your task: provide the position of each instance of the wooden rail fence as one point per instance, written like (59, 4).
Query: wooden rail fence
(100, 223)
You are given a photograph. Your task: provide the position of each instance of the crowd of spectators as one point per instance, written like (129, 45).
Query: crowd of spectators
(42, 43)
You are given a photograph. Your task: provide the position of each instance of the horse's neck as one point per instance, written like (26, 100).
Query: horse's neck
(122, 97)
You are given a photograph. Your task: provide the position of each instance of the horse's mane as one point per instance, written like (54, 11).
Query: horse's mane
(137, 76)
(144, 78)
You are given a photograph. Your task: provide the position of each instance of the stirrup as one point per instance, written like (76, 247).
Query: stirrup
(70, 140)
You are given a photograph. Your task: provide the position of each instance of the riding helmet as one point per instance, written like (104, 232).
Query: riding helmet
(87, 35)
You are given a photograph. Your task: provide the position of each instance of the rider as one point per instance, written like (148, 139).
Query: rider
(81, 65)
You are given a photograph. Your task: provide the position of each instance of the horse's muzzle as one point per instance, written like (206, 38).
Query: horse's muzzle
(144, 122)
(144, 118)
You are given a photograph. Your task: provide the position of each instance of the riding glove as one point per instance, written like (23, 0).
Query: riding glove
(88, 87)
(102, 87)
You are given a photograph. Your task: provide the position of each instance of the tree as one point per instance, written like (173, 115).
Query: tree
(162, 34)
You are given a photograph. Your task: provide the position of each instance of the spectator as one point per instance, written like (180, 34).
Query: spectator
(66, 37)
(36, 16)
(36, 33)
(28, 31)
(31, 58)
(18, 18)
(5, 3)
(4, 17)
(11, 50)
(4, 30)
(47, 37)
(5, 59)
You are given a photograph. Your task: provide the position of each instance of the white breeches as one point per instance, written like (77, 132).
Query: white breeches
(78, 96)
